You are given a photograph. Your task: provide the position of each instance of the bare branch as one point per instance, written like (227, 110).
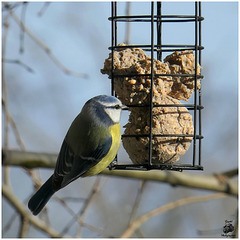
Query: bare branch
(137, 201)
(83, 210)
(4, 87)
(23, 227)
(167, 207)
(46, 48)
(19, 207)
(22, 33)
(6, 175)
(230, 173)
(78, 219)
(17, 61)
(28, 159)
(43, 9)
(135, 207)
(198, 181)
(127, 33)
(14, 126)
(10, 6)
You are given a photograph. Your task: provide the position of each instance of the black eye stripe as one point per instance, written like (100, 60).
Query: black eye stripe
(114, 107)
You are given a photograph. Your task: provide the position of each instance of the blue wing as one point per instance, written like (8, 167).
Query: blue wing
(70, 166)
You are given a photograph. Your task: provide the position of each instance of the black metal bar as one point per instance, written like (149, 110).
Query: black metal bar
(147, 18)
(188, 106)
(163, 135)
(112, 42)
(146, 167)
(148, 47)
(159, 31)
(157, 75)
(115, 24)
(200, 91)
(200, 18)
(195, 84)
(151, 88)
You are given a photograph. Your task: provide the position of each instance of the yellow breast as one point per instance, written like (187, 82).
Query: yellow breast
(116, 139)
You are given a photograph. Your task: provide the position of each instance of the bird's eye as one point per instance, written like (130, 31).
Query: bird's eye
(117, 106)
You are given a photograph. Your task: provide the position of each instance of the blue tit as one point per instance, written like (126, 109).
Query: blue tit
(90, 145)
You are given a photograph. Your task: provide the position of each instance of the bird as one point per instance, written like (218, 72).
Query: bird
(90, 145)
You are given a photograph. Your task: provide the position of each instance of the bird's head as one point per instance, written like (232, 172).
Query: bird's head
(106, 108)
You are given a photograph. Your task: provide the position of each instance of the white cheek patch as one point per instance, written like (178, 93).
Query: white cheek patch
(114, 114)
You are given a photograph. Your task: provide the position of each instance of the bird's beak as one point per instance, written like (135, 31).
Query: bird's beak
(124, 107)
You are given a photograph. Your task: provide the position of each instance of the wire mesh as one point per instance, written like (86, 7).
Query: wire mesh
(156, 23)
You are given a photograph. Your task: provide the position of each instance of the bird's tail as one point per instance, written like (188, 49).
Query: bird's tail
(41, 197)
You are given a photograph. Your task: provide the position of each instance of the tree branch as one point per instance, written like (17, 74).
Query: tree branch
(25, 214)
(169, 206)
(45, 48)
(198, 181)
(28, 159)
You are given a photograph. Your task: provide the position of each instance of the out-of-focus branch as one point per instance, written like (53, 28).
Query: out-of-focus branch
(4, 87)
(135, 207)
(198, 181)
(25, 214)
(28, 159)
(230, 173)
(77, 218)
(127, 34)
(23, 227)
(13, 125)
(80, 215)
(43, 9)
(45, 48)
(167, 207)
(6, 176)
(22, 33)
(20, 63)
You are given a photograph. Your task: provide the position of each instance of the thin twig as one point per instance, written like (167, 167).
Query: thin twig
(81, 213)
(235, 232)
(12, 218)
(10, 6)
(17, 61)
(167, 207)
(20, 208)
(23, 227)
(127, 33)
(43, 9)
(91, 197)
(6, 171)
(9, 223)
(136, 205)
(46, 49)
(78, 219)
(14, 126)
(137, 201)
(230, 173)
(73, 199)
(22, 33)
(7, 117)
(4, 87)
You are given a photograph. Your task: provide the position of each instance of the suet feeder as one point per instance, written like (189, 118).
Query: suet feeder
(160, 128)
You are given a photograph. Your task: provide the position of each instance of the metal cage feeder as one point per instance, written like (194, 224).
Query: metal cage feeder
(156, 22)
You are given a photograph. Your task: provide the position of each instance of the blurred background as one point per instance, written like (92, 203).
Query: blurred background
(43, 100)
